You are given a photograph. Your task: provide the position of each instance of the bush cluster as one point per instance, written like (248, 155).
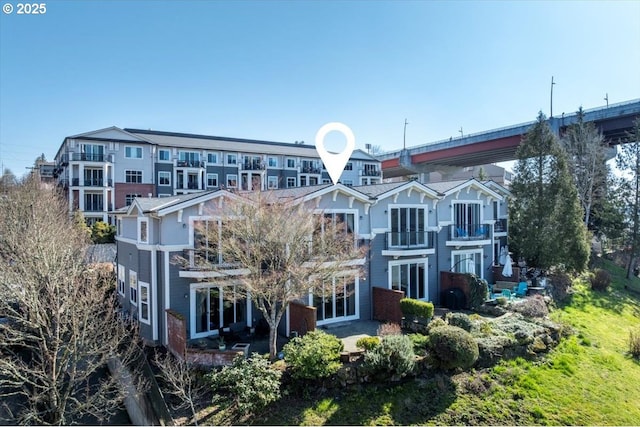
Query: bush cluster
(368, 343)
(452, 347)
(460, 320)
(634, 343)
(251, 383)
(532, 307)
(600, 280)
(412, 308)
(393, 357)
(420, 343)
(478, 289)
(314, 355)
(436, 323)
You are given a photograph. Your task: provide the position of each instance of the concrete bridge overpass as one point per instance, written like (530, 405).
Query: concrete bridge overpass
(499, 145)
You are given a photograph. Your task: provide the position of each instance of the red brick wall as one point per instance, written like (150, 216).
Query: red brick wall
(386, 305)
(123, 188)
(302, 318)
(212, 357)
(177, 331)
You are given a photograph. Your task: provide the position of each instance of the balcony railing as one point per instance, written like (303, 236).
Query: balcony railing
(311, 169)
(194, 186)
(371, 172)
(94, 207)
(410, 240)
(64, 183)
(190, 164)
(64, 160)
(76, 182)
(87, 157)
(500, 225)
(464, 232)
(253, 166)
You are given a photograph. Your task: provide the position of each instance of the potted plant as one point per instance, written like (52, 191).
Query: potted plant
(221, 343)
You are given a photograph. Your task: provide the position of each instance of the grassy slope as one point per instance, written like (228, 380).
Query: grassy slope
(588, 380)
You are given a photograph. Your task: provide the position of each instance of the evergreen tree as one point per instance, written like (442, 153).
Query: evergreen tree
(101, 232)
(546, 221)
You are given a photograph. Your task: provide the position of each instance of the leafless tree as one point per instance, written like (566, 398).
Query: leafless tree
(281, 251)
(585, 146)
(59, 325)
(181, 380)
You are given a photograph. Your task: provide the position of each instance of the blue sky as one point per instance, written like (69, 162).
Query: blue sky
(280, 70)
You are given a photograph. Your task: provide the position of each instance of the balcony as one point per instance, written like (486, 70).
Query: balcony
(253, 166)
(469, 234)
(63, 183)
(311, 169)
(500, 225)
(76, 182)
(409, 240)
(64, 161)
(94, 207)
(371, 172)
(87, 157)
(190, 164)
(194, 186)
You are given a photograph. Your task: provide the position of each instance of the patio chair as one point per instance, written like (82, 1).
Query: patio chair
(480, 231)
(521, 289)
(506, 293)
(461, 233)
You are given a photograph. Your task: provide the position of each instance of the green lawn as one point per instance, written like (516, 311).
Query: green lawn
(588, 380)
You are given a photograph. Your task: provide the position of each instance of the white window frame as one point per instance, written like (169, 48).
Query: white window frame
(287, 163)
(142, 303)
(166, 175)
(480, 252)
(272, 182)
(347, 182)
(215, 162)
(128, 151)
(133, 288)
(212, 176)
(228, 178)
(137, 172)
(144, 221)
(423, 207)
(395, 263)
(275, 161)
(131, 197)
(193, 287)
(121, 279)
(162, 150)
(342, 274)
(229, 156)
(295, 181)
(348, 166)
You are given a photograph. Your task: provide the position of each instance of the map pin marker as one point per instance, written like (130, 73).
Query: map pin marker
(335, 163)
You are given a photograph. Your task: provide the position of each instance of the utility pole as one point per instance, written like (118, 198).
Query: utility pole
(606, 98)
(461, 134)
(404, 138)
(552, 83)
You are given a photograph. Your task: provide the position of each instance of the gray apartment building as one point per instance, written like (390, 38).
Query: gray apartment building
(104, 170)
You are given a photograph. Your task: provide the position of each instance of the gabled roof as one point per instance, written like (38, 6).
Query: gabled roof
(111, 133)
(304, 194)
(165, 205)
(447, 188)
(381, 191)
(497, 187)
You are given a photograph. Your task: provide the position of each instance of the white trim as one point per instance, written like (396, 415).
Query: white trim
(192, 307)
(212, 177)
(154, 294)
(469, 251)
(167, 296)
(159, 178)
(134, 170)
(341, 274)
(424, 261)
(164, 161)
(139, 230)
(121, 282)
(214, 274)
(145, 285)
(133, 274)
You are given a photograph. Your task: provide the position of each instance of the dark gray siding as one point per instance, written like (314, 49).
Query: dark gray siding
(161, 297)
(163, 189)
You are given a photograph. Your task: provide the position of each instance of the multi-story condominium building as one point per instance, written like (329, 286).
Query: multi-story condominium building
(106, 169)
(413, 232)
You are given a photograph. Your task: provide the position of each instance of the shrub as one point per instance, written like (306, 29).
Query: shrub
(314, 355)
(460, 320)
(478, 289)
(368, 343)
(419, 342)
(389, 329)
(560, 285)
(532, 307)
(251, 383)
(501, 301)
(634, 343)
(600, 280)
(415, 308)
(452, 347)
(393, 357)
(436, 323)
